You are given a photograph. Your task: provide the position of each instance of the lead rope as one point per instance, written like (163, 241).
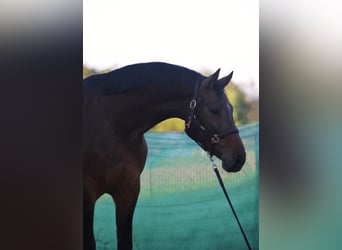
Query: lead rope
(214, 166)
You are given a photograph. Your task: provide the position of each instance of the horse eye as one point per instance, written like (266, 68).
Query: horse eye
(215, 110)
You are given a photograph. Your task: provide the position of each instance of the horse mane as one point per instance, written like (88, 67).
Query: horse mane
(140, 75)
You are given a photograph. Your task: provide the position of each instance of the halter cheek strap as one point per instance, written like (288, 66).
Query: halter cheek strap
(194, 128)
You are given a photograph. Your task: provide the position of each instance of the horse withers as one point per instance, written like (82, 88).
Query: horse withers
(120, 106)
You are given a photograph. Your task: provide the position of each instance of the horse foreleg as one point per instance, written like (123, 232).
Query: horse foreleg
(125, 203)
(88, 217)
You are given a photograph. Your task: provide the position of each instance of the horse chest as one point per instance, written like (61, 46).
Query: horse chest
(111, 166)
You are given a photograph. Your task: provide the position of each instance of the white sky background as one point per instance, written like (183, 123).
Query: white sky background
(198, 35)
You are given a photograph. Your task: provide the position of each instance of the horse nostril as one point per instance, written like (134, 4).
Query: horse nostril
(240, 159)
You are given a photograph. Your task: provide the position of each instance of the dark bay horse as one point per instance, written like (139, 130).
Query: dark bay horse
(120, 106)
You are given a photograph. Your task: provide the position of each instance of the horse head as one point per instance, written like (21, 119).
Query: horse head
(211, 122)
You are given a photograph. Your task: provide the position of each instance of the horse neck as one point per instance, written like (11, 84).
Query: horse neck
(148, 108)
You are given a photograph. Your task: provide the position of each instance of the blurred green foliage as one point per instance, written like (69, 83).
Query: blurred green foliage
(87, 71)
(240, 103)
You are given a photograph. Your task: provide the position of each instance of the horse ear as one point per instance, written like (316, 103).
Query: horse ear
(225, 80)
(210, 80)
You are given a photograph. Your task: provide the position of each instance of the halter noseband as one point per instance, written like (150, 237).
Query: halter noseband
(194, 125)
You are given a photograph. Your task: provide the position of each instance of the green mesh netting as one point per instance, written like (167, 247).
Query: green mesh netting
(181, 205)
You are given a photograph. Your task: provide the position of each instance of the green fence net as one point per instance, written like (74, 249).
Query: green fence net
(181, 205)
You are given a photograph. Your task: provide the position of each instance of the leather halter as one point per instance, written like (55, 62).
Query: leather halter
(194, 127)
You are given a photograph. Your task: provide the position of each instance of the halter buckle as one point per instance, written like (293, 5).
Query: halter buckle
(193, 104)
(215, 139)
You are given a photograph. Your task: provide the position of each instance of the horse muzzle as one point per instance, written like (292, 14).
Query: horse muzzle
(234, 163)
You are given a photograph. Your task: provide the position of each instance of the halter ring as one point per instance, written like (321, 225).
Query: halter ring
(193, 104)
